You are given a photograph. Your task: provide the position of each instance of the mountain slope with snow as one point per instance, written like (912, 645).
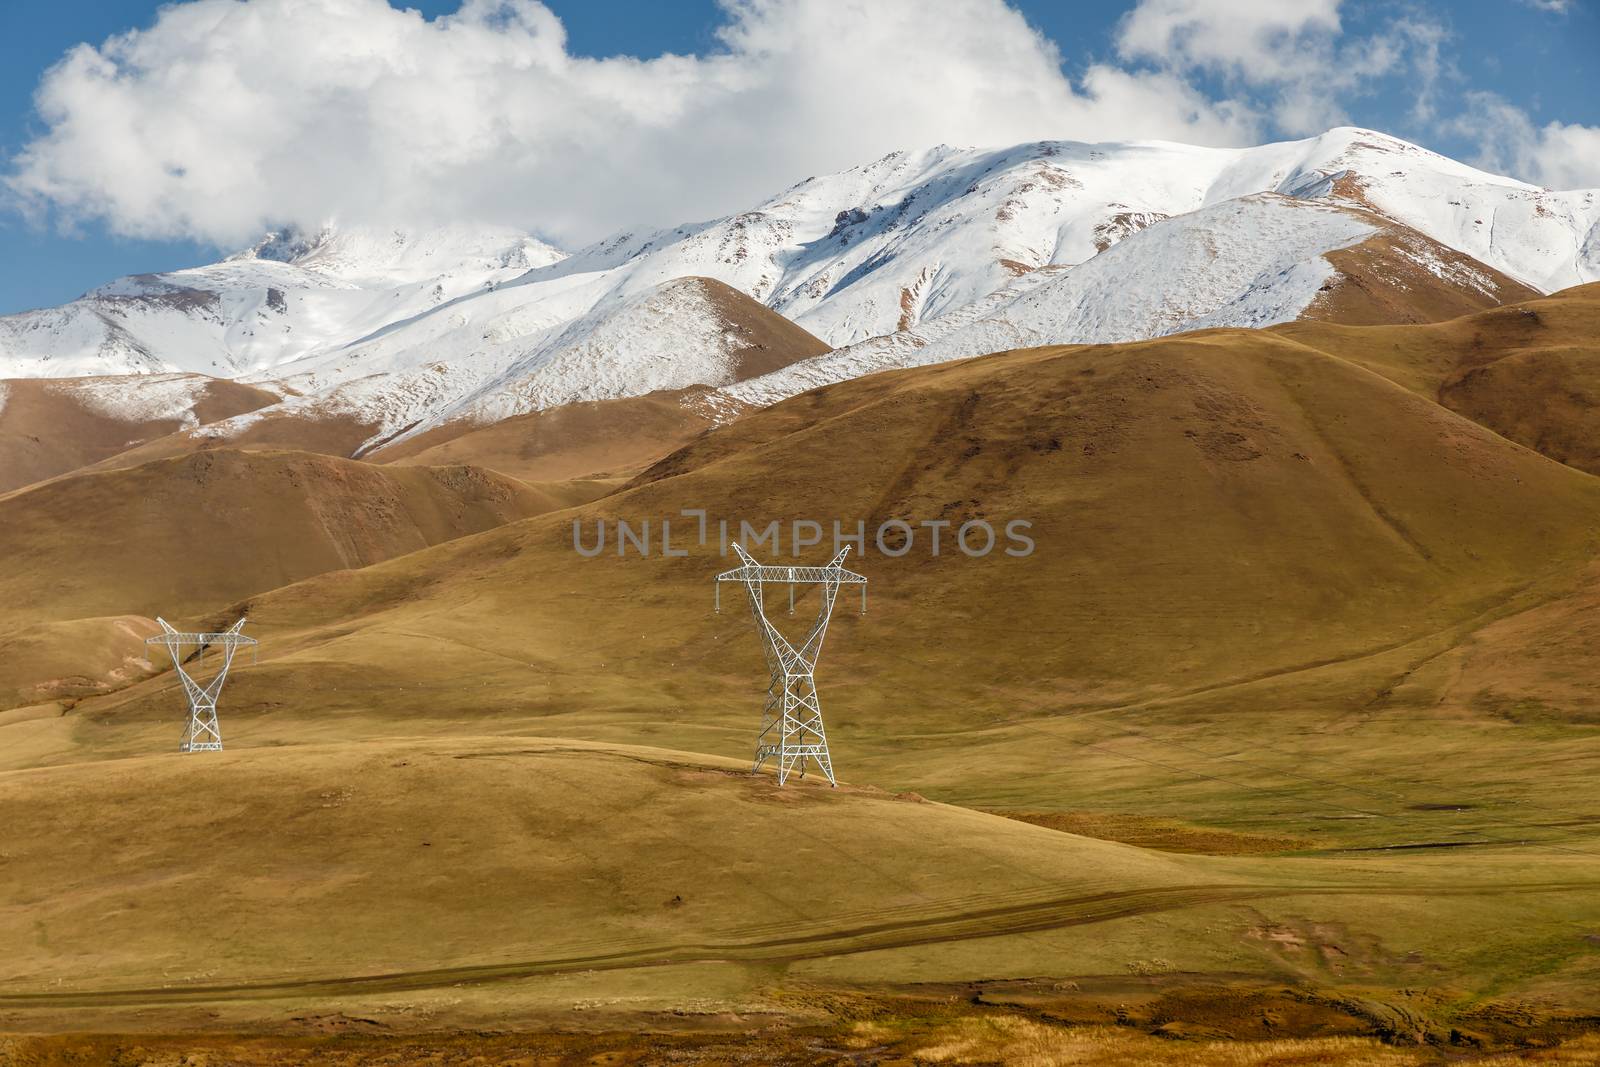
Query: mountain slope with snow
(914, 236)
(1252, 261)
(915, 257)
(287, 296)
(682, 333)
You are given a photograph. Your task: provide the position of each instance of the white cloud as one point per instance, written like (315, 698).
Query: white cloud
(1556, 155)
(1298, 53)
(1257, 40)
(228, 115)
(1424, 41)
(1567, 156)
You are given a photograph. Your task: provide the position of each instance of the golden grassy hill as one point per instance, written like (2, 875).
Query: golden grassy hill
(1529, 371)
(181, 536)
(50, 427)
(597, 438)
(326, 862)
(49, 661)
(1291, 625)
(1249, 553)
(476, 878)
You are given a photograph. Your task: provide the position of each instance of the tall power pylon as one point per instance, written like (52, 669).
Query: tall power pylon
(202, 733)
(791, 720)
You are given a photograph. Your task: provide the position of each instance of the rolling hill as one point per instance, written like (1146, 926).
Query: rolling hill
(200, 530)
(1528, 372)
(1231, 527)
(375, 887)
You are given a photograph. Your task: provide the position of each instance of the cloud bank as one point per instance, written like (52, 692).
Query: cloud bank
(1558, 155)
(225, 117)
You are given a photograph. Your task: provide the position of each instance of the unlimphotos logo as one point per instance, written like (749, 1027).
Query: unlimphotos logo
(974, 538)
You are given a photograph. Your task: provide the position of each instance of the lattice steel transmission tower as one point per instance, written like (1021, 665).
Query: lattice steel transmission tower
(791, 720)
(202, 734)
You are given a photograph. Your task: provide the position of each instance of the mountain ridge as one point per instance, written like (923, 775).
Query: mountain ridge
(916, 257)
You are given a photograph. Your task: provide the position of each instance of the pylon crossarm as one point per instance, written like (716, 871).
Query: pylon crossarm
(754, 572)
(227, 637)
(751, 571)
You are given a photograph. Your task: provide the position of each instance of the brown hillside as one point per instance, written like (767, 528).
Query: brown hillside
(1215, 515)
(597, 439)
(1401, 276)
(1530, 372)
(1328, 636)
(767, 340)
(47, 428)
(181, 536)
(51, 661)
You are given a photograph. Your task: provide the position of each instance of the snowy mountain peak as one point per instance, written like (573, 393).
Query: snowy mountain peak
(379, 255)
(284, 245)
(290, 295)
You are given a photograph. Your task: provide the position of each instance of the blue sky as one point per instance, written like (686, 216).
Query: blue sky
(1495, 75)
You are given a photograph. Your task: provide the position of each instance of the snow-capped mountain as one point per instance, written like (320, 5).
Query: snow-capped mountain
(1250, 261)
(916, 257)
(288, 296)
(914, 236)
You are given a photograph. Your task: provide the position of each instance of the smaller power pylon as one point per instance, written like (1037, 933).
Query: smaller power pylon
(202, 733)
(791, 720)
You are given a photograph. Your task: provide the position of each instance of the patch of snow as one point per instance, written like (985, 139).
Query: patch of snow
(145, 398)
(1458, 273)
(714, 405)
